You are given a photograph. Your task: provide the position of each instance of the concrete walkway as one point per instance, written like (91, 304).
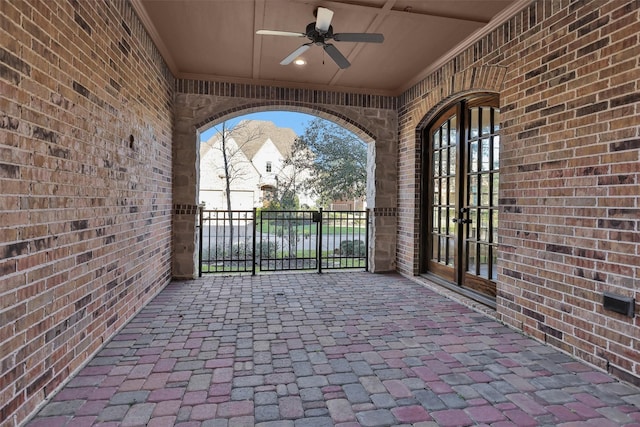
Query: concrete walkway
(337, 349)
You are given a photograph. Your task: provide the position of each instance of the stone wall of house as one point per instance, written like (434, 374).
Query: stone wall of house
(86, 115)
(568, 77)
(200, 104)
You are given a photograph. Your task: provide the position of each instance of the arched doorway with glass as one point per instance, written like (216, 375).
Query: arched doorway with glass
(460, 196)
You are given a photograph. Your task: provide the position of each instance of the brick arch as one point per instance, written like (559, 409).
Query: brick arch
(444, 104)
(487, 79)
(343, 120)
(373, 118)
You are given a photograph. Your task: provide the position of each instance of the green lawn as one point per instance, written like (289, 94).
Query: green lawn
(311, 229)
(327, 260)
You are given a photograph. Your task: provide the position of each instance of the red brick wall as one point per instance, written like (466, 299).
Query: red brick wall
(85, 209)
(568, 76)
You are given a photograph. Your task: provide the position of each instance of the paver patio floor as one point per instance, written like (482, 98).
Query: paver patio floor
(337, 349)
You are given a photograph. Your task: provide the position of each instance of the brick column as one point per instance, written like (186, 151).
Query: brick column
(185, 191)
(382, 187)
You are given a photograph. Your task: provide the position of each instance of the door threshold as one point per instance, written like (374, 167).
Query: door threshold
(469, 293)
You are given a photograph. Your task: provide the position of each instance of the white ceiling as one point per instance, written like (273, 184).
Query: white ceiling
(216, 39)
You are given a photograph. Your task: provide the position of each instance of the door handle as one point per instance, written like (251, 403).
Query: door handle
(461, 221)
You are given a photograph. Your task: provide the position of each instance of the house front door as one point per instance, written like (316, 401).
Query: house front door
(461, 202)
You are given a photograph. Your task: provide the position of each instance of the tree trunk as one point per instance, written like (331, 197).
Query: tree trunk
(227, 177)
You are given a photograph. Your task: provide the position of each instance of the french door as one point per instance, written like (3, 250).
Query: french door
(461, 201)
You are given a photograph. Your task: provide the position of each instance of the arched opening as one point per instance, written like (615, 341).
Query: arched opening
(377, 126)
(373, 118)
(460, 222)
(268, 192)
(253, 160)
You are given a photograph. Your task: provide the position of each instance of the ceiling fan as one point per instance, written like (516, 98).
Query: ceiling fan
(321, 31)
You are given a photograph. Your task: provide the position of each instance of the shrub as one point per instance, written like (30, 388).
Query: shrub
(242, 251)
(353, 248)
(268, 249)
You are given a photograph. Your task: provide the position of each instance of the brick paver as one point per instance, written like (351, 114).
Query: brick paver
(337, 349)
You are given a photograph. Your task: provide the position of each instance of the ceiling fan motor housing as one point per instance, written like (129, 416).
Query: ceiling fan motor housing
(316, 36)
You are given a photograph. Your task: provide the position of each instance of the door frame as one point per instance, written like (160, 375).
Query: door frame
(427, 217)
(455, 279)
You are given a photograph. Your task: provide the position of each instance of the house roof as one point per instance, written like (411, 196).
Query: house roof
(250, 135)
(282, 138)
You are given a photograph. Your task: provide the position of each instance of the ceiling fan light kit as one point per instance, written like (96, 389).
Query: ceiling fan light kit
(319, 33)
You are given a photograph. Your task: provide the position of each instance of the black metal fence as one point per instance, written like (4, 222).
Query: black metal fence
(270, 240)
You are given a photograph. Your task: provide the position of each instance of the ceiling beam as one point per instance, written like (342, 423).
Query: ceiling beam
(381, 14)
(258, 23)
(407, 13)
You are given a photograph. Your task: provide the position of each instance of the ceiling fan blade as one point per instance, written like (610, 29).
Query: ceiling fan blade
(299, 51)
(279, 33)
(323, 19)
(335, 54)
(359, 37)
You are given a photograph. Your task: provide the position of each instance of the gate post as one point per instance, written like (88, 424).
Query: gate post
(319, 243)
(200, 232)
(253, 251)
(366, 240)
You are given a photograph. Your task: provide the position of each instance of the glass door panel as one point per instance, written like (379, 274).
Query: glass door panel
(443, 150)
(480, 201)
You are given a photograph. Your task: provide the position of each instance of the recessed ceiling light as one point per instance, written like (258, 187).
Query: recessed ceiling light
(300, 61)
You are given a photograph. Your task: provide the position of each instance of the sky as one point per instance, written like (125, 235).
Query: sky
(283, 119)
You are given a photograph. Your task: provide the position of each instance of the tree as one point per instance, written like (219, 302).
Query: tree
(288, 184)
(230, 141)
(336, 158)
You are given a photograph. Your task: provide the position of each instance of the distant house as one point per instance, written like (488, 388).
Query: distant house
(257, 150)
(357, 204)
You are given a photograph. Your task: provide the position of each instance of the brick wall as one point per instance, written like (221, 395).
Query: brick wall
(85, 172)
(568, 76)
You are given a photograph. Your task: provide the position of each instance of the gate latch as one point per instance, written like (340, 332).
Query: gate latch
(316, 216)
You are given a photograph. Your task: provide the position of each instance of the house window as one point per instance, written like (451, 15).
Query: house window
(268, 166)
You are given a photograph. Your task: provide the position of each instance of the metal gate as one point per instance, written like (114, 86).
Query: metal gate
(275, 240)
